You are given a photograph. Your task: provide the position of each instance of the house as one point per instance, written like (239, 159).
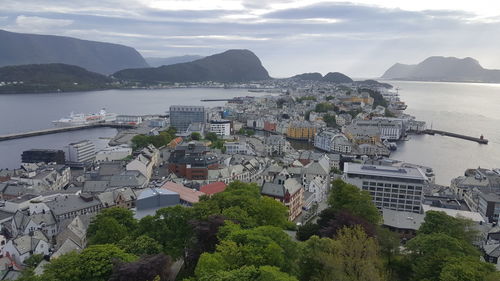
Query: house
(44, 176)
(118, 197)
(27, 245)
(288, 191)
(318, 188)
(72, 235)
(71, 205)
(132, 179)
(145, 161)
(23, 224)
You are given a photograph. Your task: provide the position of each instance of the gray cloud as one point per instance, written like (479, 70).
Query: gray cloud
(357, 39)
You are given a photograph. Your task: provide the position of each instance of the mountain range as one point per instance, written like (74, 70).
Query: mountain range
(446, 69)
(156, 62)
(229, 66)
(104, 58)
(40, 78)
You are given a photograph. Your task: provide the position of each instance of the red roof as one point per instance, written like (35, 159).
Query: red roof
(213, 188)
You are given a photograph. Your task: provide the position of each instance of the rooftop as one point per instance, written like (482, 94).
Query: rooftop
(384, 171)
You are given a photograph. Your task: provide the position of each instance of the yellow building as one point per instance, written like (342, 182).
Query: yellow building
(301, 131)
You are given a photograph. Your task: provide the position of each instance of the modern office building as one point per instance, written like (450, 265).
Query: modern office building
(181, 116)
(394, 188)
(43, 155)
(82, 151)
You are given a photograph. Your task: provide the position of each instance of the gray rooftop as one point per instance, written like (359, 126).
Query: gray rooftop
(384, 171)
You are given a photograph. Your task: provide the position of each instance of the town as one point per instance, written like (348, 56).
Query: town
(294, 143)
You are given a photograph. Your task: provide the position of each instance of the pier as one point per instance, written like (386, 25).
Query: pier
(64, 129)
(480, 140)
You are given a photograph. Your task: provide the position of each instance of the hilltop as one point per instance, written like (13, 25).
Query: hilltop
(41, 78)
(104, 58)
(447, 69)
(229, 66)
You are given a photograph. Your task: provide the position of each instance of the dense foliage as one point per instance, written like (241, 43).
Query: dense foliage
(240, 235)
(49, 78)
(163, 138)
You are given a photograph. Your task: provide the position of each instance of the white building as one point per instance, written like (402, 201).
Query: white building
(113, 153)
(82, 151)
(395, 188)
(130, 119)
(220, 127)
(277, 145)
(331, 141)
(389, 129)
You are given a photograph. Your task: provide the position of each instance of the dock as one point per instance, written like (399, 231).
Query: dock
(480, 140)
(64, 129)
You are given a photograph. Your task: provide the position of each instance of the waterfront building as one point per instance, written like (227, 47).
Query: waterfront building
(332, 141)
(129, 119)
(389, 129)
(221, 127)
(181, 116)
(302, 130)
(362, 134)
(43, 155)
(395, 188)
(81, 152)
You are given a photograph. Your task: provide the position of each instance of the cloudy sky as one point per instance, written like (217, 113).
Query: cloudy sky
(361, 38)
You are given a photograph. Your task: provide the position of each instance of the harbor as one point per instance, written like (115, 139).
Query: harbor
(480, 140)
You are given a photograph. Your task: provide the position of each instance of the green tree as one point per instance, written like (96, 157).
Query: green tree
(357, 202)
(440, 222)
(324, 107)
(111, 225)
(261, 246)
(108, 231)
(170, 228)
(330, 120)
(94, 263)
(243, 201)
(211, 136)
(430, 253)
(195, 136)
(142, 245)
(468, 269)
(351, 256)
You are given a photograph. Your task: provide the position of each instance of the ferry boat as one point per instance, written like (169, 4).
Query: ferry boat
(78, 119)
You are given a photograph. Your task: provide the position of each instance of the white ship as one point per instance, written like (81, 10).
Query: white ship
(78, 119)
